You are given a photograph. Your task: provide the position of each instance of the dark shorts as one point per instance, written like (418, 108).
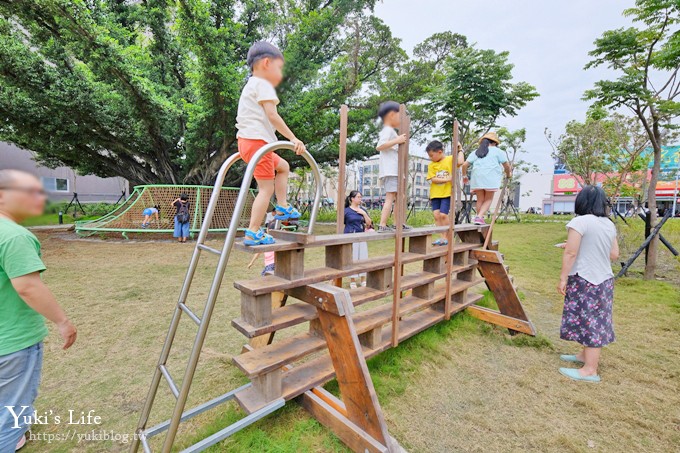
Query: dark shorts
(442, 205)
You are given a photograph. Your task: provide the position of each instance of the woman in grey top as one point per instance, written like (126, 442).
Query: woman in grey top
(587, 282)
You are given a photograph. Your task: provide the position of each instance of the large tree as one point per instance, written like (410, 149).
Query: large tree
(477, 88)
(647, 60)
(148, 89)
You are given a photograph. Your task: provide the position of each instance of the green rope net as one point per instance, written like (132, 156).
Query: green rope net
(127, 217)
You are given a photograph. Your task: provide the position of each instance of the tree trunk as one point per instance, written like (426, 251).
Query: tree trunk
(652, 251)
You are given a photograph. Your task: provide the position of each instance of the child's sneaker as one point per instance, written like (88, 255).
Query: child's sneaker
(258, 238)
(289, 213)
(406, 227)
(479, 221)
(385, 229)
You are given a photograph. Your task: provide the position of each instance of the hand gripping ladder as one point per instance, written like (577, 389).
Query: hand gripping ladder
(143, 434)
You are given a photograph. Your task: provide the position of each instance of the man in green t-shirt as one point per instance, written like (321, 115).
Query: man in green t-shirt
(25, 302)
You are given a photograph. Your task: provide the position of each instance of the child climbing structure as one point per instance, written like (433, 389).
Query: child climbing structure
(340, 332)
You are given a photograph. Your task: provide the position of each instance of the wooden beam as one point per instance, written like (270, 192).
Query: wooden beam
(325, 297)
(349, 433)
(278, 300)
(352, 373)
(495, 317)
(452, 220)
(400, 219)
(342, 168)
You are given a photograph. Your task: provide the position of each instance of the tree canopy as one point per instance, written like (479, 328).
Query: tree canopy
(148, 89)
(646, 60)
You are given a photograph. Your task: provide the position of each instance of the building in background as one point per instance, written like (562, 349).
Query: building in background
(566, 186)
(62, 182)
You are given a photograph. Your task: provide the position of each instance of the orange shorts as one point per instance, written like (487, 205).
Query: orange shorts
(266, 167)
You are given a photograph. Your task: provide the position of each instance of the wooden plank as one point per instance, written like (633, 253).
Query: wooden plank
(275, 355)
(452, 219)
(420, 244)
(339, 256)
(278, 300)
(352, 374)
(342, 168)
(495, 317)
(318, 371)
(271, 283)
(290, 264)
(268, 385)
(256, 310)
(489, 256)
(349, 433)
(282, 318)
(291, 240)
(499, 283)
(400, 219)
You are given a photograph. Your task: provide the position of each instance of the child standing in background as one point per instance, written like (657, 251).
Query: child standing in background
(388, 146)
(257, 122)
(148, 213)
(440, 174)
(487, 164)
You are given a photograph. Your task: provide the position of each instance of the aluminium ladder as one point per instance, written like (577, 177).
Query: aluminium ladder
(181, 392)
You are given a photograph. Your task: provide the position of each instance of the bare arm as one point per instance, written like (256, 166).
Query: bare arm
(568, 258)
(38, 296)
(464, 168)
(281, 126)
(390, 143)
(508, 169)
(461, 158)
(614, 254)
(436, 180)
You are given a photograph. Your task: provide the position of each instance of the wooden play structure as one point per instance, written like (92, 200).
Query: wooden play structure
(331, 331)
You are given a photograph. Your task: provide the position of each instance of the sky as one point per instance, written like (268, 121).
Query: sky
(548, 41)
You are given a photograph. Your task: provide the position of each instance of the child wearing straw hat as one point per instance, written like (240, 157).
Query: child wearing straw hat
(488, 163)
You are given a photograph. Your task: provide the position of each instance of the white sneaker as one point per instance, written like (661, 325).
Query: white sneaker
(363, 284)
(352, 285)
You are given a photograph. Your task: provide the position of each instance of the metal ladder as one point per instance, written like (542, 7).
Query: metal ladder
(142, 433)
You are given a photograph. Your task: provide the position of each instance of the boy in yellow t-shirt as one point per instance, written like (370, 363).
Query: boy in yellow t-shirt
(440, 174)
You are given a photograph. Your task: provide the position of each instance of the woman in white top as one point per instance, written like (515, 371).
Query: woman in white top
(587, 282)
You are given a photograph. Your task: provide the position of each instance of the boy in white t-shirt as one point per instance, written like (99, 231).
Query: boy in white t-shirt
(388, 145)
(257, 122)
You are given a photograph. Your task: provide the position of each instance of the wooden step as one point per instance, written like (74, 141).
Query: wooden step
(280, 353)
(271, 283)
(298, 313)
(316, 372)
(290, 241)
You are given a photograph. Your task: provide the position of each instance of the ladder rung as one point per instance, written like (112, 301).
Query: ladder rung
(168, 379)
(190, 313)
(209, 249)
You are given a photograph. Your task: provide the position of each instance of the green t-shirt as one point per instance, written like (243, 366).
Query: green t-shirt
(20, 325)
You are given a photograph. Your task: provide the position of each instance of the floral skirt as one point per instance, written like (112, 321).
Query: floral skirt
(587, 315)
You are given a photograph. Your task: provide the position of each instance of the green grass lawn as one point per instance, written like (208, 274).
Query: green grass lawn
(462, 385)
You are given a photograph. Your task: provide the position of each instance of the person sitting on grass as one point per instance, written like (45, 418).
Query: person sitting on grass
(388, 145)
(182, 218)
(25, 302)
(148, 213)
(357, 220)
(440, 175)
(587, 283)
(257, 121)
(487, 175)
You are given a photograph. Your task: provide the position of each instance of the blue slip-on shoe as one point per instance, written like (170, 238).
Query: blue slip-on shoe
(570, 358)
(258, 238)
(572, 373)
(289, 213)
(437, 242)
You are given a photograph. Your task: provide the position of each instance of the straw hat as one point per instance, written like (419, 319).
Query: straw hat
(491, 136)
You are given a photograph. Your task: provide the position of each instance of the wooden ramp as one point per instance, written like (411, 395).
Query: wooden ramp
(338, 337)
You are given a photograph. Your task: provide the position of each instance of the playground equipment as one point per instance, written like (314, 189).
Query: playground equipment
(341, 333)
(127, 217)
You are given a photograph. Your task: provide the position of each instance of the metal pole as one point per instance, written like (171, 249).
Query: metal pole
(452, 220)
(342, 168)
(675, 193)
(217, 280)
(399, 213)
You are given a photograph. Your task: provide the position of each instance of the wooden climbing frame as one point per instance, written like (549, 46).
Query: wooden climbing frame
(341, 333)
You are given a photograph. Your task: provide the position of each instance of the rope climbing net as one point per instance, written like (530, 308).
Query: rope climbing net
(128, 216)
